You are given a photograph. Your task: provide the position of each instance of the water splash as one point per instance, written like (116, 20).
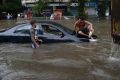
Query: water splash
(113, 59)
(100, 72)
(115, 52)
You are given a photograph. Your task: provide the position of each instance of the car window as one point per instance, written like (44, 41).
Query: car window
(66, 29)
(25, 29)
(51, 29)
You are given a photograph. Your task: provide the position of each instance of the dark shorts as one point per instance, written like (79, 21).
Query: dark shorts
(82, 36)
(85, 31)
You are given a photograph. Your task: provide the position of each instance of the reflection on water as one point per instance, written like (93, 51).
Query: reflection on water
(62, 61)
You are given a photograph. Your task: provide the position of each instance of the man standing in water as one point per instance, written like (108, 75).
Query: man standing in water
(83, 28)
(33, 32)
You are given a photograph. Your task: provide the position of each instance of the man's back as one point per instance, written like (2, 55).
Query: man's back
(80, 24)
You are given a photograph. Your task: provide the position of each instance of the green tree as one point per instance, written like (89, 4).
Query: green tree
(81, 8)
(102, 7)
(10, 5)
(3, 2)
(40, 6)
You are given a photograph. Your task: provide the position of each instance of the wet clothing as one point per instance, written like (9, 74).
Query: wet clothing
(85, 31)
(33, 31)
(81, 25)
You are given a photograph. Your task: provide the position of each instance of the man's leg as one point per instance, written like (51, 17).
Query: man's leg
(82, 35)
(80, 32)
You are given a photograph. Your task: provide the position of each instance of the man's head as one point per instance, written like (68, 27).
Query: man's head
(33, 23)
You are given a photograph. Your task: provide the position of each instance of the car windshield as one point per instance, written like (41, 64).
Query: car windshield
(3, 30)
(69, 31)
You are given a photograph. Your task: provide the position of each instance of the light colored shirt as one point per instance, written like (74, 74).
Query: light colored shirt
(34, 31)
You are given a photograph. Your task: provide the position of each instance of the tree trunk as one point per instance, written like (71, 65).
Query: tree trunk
(3, 2)
(81, 8)
(115, 20)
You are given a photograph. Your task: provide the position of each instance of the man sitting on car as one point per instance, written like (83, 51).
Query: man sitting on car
(83, 28)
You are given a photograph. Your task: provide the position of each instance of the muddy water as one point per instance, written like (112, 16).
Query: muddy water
(63, 61)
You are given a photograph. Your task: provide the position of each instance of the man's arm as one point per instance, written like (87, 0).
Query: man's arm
(76, 28)
(80, 32)
(90, 26)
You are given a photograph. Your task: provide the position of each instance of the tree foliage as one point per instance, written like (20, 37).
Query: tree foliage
(102, 7)
(10, 5)
(81, 8)
(39, 6)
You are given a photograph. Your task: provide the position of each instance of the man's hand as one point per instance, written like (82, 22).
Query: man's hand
(37, 45)
(90, 34)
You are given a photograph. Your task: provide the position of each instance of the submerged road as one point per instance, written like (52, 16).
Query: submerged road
(63, 61)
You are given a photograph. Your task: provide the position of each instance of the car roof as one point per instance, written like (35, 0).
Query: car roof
(42, 21)
(50, 22)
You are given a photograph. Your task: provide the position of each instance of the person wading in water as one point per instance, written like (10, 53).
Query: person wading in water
(33, 33)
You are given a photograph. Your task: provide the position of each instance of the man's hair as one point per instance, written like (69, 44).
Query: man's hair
(33, 22)
(81, 18)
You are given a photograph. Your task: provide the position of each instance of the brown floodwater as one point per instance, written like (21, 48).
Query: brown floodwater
(63, 61)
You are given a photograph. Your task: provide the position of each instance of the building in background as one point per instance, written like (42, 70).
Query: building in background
(59, 4)
(28, 3)
(52, 4)
(68, 7)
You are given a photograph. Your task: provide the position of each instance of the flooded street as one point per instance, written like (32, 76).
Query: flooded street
(63, 61)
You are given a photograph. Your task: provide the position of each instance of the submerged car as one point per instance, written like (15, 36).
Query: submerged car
(48, 31)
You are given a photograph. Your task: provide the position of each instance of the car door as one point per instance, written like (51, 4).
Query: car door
(22, 34)
(52, 33)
